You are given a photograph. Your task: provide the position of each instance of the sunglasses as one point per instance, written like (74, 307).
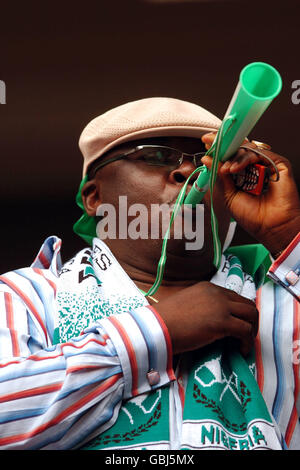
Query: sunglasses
(155, 155)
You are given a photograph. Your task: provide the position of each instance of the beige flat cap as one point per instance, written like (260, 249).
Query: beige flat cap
(149, 117)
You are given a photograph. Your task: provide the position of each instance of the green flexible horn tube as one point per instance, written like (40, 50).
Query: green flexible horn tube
(258, 85)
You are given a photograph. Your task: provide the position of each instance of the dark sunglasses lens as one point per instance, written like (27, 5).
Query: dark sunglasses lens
(159, 157)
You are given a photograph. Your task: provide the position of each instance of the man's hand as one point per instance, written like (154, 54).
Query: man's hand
(272, 218)
(203, 313)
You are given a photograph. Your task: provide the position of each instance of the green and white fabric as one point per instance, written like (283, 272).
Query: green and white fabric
(215, 403)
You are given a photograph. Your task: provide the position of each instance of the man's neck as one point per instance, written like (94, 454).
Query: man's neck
(182, 269)
(177, 276)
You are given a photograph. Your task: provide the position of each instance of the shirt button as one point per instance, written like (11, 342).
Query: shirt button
(153, 377)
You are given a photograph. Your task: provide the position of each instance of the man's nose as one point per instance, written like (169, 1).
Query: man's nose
(181, 174)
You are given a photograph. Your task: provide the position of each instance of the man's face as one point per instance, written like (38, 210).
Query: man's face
(153, 186)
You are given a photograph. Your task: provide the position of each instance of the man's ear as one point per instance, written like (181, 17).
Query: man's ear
(91, 197)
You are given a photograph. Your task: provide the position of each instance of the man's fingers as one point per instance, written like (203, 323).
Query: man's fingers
(236, 164)
(209, 137)
(247, 313)
(245, 157)
(242, 308)
(243, 331)
(239, 162)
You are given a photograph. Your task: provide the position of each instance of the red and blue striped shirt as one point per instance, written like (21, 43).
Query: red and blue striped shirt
(60, 396)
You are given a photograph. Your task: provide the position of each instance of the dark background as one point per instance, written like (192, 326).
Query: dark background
(65, 63)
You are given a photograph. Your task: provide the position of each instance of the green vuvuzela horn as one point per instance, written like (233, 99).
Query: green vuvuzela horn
(258, 85)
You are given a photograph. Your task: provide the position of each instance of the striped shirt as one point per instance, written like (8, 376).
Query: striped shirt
(58, 396)
(61, 396)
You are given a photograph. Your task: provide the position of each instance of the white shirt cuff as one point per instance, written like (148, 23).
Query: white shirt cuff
(285, 270)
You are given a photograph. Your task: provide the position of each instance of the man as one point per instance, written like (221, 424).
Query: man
(88, 359)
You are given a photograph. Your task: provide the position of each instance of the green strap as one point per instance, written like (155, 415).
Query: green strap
(163, 257)
(85, 227)
(214, 151)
